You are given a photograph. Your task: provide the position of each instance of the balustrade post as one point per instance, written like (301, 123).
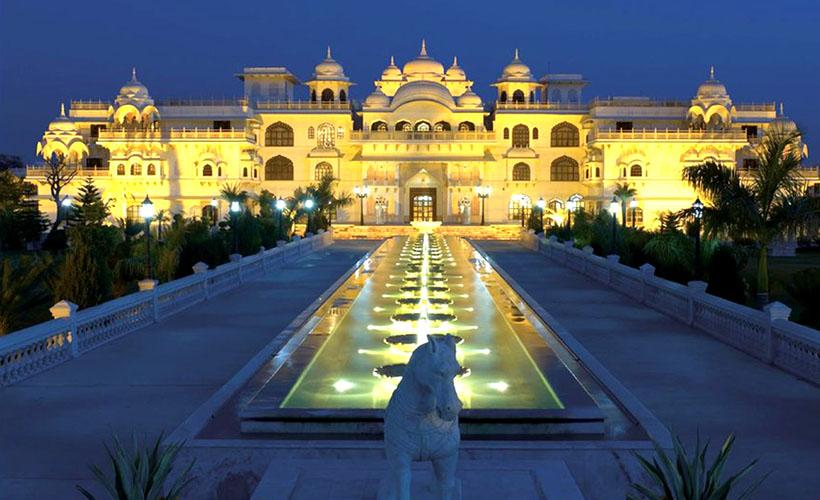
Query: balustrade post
(647, 272)
(67, 310)
(611, 260)
(201, 268)
(775, 311)
(264, 260)
(696, 289)
(587, 258)
(150, 286)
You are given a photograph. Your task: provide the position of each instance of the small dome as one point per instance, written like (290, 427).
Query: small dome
(469, 98)
(516, 70)
(424, 65)
(329, 69)
(377, 100)
(133, 89)
(712, 88)
(455, 73)
(782, 122)
(62, 123)
(391, 72)
(423, 90)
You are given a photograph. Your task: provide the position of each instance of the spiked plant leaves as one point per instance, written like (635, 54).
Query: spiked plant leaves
(678, 477)
(140, 473)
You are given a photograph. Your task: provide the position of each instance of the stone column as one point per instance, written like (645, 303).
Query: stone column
(775, 311)
(696, 290)
(67, 310)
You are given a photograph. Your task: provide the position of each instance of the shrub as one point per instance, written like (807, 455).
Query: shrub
(805, 288)
(24, 295)
(724, 273)
(250, 234)
(86, 278)
(632, 249)
(672, 254)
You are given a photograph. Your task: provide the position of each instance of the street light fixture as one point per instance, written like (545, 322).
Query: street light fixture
(613, 210)
(541, 205)
(309, 204)
(697, 211)
(634, 206)
(146, 211)
(361, 193)
(215, 205)
(65, 206)
(235, 208)
(571, 206)
(280, 207)
(483, 193)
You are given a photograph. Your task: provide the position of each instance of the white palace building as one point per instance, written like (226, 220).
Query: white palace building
(422, 141)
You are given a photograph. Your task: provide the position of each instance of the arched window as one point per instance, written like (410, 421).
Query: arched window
(597, 171)
(506, 133)
(255, 173)
(326, 136)
(423, 126)
(120, 169)
(244, 171)
(327, 95)
(279, 168)
(311, 133)
(535, 132)
(279, 134)
(521, 172)
(379, 127)
(564, 169)
(521, 136)
(342, 96)
(404, 126)
(635, 171)
(466, 126)
(313, 96)
(441, 127)
(136, 169)
(520, 205)
(132, 213)
(518, 96)
(323, 170)
(586, 174)
(207, 170)
(152, 170)
(210, 213)
(556, 206)
(503, 96)
(564, 135)
(638, 216)
(219, 171)
(532, 96)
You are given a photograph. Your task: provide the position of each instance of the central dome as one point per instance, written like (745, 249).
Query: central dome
(133, 89)
(424, 65)
(712, 88)
(422, 90)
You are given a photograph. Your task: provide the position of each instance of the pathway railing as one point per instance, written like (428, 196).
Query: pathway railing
(767, 335)
(35, 349)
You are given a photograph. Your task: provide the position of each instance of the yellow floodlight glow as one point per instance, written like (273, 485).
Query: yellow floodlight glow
(343, 385)
(499, 386)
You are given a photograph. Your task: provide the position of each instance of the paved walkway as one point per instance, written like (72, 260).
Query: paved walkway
(691, 381)
(52, 425)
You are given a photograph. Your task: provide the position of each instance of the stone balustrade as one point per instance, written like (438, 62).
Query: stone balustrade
(71, 333)
(767, 335)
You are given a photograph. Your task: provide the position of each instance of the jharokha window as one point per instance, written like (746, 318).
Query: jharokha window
(207, 170)
(466, 127)
(136, 169)
(279, 168)
(120, 169)
(636, 171)
(279, 134)
(521, 172)
(564, 135)
(564, 169)
(521, 136)
(323, 170)
(152, 170)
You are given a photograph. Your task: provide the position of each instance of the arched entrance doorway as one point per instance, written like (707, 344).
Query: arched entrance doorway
(422, 204)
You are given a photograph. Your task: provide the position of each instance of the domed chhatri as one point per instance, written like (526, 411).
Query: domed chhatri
(62, 123)
(62, 138)
(517, 70)
(329, 69)
(469, 99)
(391, 72)
(423, 67)
(712, 88)
(377, 99)
(455, 72)
(134, 91)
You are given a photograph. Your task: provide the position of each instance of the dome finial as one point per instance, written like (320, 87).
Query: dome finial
(62, 109)
(133, 73)
(329, 54)
(423, 47)
(455, 60)
(516, 54)
(392, 61)
(712, 72)
(781, 109)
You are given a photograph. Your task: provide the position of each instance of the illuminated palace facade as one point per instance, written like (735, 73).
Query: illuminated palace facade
(422, 141)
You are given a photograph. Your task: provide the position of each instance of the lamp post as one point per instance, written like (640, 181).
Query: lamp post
(215, 205)
(65, 206)
(697, 211)
(147, 213)
(361, 193)
(613, 210)
(634, 206)
(280, 207)
(235, 209)
(571, 205)
(541, 205)
(309, 204)
(483, 193)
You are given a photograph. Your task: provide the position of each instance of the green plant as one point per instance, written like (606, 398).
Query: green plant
(724, 273)
(325, 200)
(623, 193)
(86, 277)
(141, 472)
(89, 208)
(672, 254)
(680, 477)
(804, 286)
(23, 292)
(771, 203)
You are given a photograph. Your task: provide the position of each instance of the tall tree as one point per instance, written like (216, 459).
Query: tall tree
(771, 202)
(89, 209)
(60, 171)
(23, 290)
(86, 277)
(623, 193)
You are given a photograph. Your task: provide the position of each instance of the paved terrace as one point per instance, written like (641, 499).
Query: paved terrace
(53, 424)
(689, 380)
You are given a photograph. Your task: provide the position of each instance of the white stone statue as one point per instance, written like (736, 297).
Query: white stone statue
(421, 421)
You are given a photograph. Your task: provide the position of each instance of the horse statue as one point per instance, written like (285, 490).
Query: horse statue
(421, 421)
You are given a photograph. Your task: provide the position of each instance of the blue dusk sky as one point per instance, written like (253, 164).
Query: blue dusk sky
(54, 51)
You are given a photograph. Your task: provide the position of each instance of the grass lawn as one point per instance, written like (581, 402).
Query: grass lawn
(781, 270)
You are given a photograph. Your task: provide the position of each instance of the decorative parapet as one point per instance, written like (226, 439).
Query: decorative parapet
(767, 335)
(73, 332)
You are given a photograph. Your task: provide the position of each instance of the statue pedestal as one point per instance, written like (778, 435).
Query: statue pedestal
(419, 490)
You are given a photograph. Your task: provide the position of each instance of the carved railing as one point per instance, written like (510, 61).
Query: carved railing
(451, 136)
(766, 335)
(35, 349)
(668, 135)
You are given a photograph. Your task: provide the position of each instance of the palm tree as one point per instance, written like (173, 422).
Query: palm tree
(623, 192)
(22, 291)
(232, 192)
(326, 202)
(769, 203)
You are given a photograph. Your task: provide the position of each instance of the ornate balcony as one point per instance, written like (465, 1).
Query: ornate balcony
(302, 106)
(609, 134)
(394, 136)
